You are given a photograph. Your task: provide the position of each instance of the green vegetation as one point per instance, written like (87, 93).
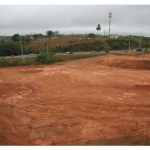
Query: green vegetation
(92, 35)
(12, 47)
(71, 41)
(115, 45)
(14, 62)
(8, 48)
(16, 37)
(45, 58)
(49, 34)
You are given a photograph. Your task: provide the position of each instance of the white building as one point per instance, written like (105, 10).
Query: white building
(114, 36)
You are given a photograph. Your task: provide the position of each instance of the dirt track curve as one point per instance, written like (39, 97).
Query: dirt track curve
(76, 102)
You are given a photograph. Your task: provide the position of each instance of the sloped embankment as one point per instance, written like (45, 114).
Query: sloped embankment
(127, 63)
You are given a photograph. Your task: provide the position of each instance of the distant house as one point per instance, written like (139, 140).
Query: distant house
(114, 36)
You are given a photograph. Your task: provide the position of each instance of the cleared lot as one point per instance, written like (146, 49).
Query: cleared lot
(99, 100)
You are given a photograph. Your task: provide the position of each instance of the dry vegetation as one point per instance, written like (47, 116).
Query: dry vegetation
(61, 41)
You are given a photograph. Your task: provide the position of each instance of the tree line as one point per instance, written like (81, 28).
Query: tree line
(13, 46)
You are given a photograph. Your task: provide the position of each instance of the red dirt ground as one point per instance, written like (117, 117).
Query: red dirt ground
(76, 102)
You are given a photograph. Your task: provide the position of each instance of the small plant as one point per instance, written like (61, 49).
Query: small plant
(21, 62)
(71, 41)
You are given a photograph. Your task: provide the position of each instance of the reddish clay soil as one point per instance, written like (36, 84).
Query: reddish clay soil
(95, 101)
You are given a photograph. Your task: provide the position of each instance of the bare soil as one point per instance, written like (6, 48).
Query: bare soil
(95, 101)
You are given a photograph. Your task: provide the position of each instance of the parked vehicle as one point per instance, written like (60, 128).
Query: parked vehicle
(69, 52)
(92, 51)
(98, 51)
(139, 49)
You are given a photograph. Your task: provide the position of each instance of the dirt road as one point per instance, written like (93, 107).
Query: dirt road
(76, 102)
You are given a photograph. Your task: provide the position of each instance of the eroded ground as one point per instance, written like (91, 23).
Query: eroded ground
(76, 102)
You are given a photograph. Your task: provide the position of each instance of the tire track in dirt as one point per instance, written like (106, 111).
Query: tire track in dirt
(74, 102)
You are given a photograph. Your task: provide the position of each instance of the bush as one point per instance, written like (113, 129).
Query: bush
(91, 35)
(3, 62)
(115, 45)
(96, 48)
(21, 62)
(71, 41)
(45, 58)
(15, 62)
(8, 48)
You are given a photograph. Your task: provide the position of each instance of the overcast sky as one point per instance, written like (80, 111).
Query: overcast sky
(76, 19)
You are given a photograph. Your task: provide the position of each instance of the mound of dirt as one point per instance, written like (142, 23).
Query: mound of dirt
(142, 55)
(127, 63)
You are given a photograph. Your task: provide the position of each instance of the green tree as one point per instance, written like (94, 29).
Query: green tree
(16, 37)
(8, 48)
(49, 34)
(27, 39)
(115, 45)
(35, 36)
(56, 33)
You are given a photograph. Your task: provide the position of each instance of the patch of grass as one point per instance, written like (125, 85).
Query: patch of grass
(14, 62)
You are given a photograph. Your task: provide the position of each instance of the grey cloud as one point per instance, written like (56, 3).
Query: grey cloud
(23, 19)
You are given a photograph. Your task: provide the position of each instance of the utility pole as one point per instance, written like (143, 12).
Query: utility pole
(140, 40)
(21, 47)
(129, 45)
(47, 47)
(110, 15)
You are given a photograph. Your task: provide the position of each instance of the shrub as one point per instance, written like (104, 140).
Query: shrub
(8, 48)
(91, 35)
(22, 62)
(45, 57)
(13, 62)
(3, 62)
(115, 45)
(71, 42)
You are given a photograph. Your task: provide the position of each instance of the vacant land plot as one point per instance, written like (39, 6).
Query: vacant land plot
(61, 41)
(96, 101)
